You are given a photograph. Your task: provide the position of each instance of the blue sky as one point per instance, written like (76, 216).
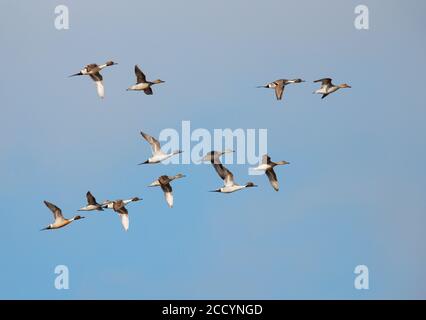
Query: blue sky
(353, 194)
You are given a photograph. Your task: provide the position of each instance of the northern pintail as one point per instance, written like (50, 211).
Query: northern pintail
(228, 179)
(279, 86)
(327, 87)
(164, 183)
(92, 70)
(141, 83)
(60, 221)
(157, 154)
(268, 166)
(91, 204)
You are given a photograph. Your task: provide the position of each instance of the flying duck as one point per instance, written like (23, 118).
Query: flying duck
(157, 154)
(91, 204)
(142, 84)
(228, 179)
(268, 166)
(93, 71)
(60, 221)
(164, 183)
(328, 87)
(279, 86)
(119, 206)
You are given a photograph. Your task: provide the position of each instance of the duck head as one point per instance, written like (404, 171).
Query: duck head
(250, 185)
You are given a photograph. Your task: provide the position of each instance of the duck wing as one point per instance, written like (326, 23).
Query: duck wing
(229, 178)
(140, 76)
(279, 90)
(57, 212)
(266, 159)
(97, 77)
(168, 195)
(91, 200)
(124, 217)
(272, 178)
(155, 144)
(325, 83)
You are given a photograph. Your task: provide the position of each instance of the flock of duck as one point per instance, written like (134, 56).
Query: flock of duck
(229, 184)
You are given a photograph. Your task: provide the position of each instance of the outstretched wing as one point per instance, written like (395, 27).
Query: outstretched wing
(279, 90)
(168, 195)
(266, 159)
(57, 213)
(155, 145)
(90, 199)
(140, 76)
(148, 91)
(125, 221)
(166, 187)
(220, 169)
(97, 77)
(225, 174)
(272, 178)
(324, 81)
(119, 207)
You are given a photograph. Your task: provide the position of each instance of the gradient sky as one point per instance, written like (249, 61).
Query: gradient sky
(353, 194)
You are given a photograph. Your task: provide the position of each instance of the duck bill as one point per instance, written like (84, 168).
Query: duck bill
(146, 162)
(47, 228)
(215, 190)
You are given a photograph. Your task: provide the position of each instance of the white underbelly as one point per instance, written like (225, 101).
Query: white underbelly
(231, 189)
(262, 167)
(159, 158)
(332, 89)
(140, 86)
